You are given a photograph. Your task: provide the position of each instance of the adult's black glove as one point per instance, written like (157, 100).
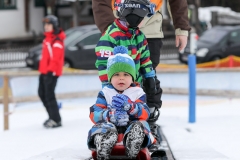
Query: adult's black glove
(150, 85)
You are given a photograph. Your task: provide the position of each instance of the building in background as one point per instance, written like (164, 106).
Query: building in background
(233, 4)
(21, 26)
(22, 19)
(19, 22)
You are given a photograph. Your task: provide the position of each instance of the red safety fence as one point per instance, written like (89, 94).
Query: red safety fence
(230, 61)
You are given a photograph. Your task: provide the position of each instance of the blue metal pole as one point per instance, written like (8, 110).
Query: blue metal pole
(192, 88)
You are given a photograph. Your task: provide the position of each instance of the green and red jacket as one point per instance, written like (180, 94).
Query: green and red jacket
(117, 34)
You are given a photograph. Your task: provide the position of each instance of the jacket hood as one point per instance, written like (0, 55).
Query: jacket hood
(61, 35)
(128, 31)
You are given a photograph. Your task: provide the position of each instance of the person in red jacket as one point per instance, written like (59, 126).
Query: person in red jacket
(50, 67)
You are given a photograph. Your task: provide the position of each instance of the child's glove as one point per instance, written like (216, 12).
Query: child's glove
(122, 118)
(117, 117)
(124, 102)
(109, 114)
(121, 101)
(150, 86)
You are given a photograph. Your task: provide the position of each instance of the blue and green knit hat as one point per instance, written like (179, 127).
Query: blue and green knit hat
(120, 62)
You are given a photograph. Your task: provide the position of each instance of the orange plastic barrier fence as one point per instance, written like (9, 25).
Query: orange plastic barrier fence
(230, 61)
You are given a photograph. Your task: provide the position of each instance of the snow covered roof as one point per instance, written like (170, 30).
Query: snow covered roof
(225, 15)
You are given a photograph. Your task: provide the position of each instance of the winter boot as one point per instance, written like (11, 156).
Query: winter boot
(134, 140)
(104, 144)
(159, 148)
(154, 112)
(45, 122)
(155, 129)
(51, 124)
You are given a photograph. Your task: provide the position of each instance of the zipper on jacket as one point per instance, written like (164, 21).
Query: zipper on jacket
(133, 36)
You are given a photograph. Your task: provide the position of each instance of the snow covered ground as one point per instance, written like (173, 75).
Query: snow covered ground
(215, 135)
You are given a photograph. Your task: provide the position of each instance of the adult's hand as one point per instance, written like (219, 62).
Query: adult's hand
(181, 42)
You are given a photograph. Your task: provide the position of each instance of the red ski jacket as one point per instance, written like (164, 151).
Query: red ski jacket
(52, 53)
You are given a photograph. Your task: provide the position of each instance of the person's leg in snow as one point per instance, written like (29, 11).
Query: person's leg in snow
(134, 140)
(51, 103)
(154, 101)
(41, 94)
(52, 124)
(104, 143)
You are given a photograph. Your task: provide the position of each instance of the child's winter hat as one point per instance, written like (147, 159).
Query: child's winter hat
(120, 62)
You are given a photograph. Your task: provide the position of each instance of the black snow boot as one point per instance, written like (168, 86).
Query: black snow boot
(104, 144)
(159, 148)
(155, 129)
(45, 122)
(134, 140)
(52, 124)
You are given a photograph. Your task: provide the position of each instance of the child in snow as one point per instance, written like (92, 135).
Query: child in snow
(120, 103)
(124, 31)
(50, 67)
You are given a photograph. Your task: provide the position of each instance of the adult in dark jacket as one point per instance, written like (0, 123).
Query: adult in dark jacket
(50, 67)
(105, 13)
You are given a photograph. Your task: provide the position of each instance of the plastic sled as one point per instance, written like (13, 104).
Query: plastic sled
(118, 151)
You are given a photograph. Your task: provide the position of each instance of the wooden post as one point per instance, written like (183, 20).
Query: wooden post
(5, 103)
(75, 13)
(26, 11)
